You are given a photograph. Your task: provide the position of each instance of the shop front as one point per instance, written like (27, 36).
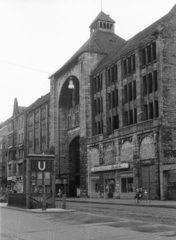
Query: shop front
(105, 181)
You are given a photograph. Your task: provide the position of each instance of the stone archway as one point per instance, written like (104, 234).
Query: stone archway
(74, 167)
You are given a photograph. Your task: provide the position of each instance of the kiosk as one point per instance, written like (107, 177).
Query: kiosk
(40, 181)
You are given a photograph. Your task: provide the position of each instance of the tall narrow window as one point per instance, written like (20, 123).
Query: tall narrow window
(150, 82)
(101, 104)
(125, 66)
(135, 115)
(154, 50)
(143, 56)
(145, 112)
(130, 91)
(149, 54)
(117, 98)
(131, 117)
(155, 81)
(109, 100)
(144, 85)
(134, 89)
(156, 109)
(126, 118)
(133, 61)
(109, 76)
(116, 122)
(115, 72)
(151, 109)
(95, 106)
(129, 65)
(113, 99)
(125, 93)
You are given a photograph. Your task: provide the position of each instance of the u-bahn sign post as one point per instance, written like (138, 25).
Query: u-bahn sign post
(40, 178)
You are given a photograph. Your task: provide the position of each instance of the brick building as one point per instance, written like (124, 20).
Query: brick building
(112, 113)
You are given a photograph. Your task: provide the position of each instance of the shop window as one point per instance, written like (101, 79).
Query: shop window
(110, 187)
(127, 185)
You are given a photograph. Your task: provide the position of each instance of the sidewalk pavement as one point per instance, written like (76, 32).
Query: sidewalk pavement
(129, 202)
(48, 210)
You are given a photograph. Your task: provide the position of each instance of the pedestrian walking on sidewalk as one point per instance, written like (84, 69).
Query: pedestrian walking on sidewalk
(145, 196)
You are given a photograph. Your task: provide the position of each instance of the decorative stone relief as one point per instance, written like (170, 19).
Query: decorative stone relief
(147, 148)
(109, 156)
(126, 152)
(117, 153)
(94, 157)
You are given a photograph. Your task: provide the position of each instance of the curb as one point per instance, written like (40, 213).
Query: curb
(126, 204)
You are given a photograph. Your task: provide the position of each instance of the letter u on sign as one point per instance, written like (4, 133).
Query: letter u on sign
(43, 166)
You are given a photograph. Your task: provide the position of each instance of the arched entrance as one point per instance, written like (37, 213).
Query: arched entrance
(74, 168)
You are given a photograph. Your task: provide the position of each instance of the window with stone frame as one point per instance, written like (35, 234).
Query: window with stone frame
(130, 91)
(150, 83)
(130, 116)
(150, 110)
(112, 74)
(148, 53)
(97, 83)
(129, 65)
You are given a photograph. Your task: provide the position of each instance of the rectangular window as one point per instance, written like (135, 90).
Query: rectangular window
(99, 105)
(95, 106)
(115, 72)
(95, 128)
(109, 100)
(149, 54)
(145, 112)
(127, 185)
(113, 99)
(129, 64)
(99, 127)
(115, 122)
(125, 67)
(135, 115)
(125, 93)
(154, 50)
(126, 118)
(130, 91)
(155, 81)
(110, 124)
(112, 74)
(131, 117)
(151, 109)
(156, 109)
(117, 98)
(134, 63)
(134, 89)
(143, 56)
(144, 85)
(150, 82)
(109, 76)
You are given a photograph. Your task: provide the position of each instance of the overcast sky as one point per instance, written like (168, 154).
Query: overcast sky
(39, 36)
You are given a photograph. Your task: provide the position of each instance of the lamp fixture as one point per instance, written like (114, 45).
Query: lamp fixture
(71, 86)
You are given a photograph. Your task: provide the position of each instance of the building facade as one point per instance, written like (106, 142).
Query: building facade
(112, 113)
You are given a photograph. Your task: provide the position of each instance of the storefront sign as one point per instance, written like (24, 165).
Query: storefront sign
(109, 167)
(61, 181)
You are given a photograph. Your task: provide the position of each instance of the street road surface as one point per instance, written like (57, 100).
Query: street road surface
(90, 222)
